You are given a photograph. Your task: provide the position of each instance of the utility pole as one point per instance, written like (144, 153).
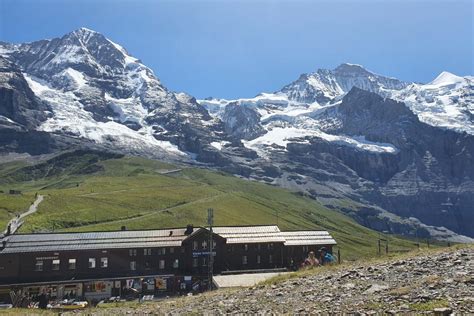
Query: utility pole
(210, 222)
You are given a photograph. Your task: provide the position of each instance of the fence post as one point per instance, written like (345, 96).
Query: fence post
(379, 247)
(386, 248)
(339, 256)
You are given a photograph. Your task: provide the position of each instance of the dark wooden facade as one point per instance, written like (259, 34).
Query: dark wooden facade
(180, 253)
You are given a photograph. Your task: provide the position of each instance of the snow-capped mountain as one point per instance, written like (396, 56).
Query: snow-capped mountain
(445, 102)
(97, 91)
(328, 133)
(379, 149)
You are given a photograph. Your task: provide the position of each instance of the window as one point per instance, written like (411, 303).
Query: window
(147, 265)
(244, 259)
(195, 262)
(195, 245)
(214, 244)
(146, 251)
(171, 250)
(55, 265)
(104, 262)
(39, 265)
(72, 264)
(258, 259)
(270, 246)
(133, 265)
(204, 244)
(176, 263)
(204, 261)
(161, 251)
(270, 259)
(132, 252)
(91, 263)
(305, 248)
(258, 246)
(246, 247)
(161, 264)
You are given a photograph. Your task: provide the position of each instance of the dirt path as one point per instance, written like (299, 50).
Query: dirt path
(16, 222)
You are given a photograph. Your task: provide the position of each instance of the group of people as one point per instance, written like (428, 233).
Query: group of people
(324, 257)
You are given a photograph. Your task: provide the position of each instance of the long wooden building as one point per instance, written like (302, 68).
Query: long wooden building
(103, 264)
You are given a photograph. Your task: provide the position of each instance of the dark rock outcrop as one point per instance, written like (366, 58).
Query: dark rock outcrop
(242, 122)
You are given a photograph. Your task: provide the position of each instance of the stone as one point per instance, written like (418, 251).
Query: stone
(443, 311)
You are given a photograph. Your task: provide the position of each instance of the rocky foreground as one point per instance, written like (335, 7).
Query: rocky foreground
(440, 283)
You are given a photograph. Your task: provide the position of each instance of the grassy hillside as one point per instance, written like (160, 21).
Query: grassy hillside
(87, 191)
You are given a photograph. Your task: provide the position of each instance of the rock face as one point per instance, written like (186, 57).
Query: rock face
(242, 122)
(395, 156)
(98, 92)
(336, 134)
(422, 179)
(18, 104)
(438, 284)
(324, 85)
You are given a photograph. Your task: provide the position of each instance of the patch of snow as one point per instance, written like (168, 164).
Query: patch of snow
(129, 109)
(7, 119)
(281, 136)
(128, 59)
(219, 145)
(446, 78)
(70, 116)
(36, 85)
(76, 76)
(4, 50)
(445, 102)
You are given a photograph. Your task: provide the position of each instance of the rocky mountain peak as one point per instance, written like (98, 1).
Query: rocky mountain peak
(84, 34)
(325, 85)
(347, 68)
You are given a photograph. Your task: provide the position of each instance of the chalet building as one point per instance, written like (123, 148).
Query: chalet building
(104, 264)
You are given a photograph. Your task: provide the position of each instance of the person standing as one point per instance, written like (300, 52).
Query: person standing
(43, 300)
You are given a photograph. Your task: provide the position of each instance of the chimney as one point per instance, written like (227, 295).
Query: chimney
(4, 244)
(123, 228)
(189, 229)
(171, 233)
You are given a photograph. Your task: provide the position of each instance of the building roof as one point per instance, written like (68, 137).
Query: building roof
(173, 237)
(94, 240)
(309, 237)
(250, 234)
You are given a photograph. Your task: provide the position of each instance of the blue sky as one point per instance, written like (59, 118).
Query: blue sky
(240, 48)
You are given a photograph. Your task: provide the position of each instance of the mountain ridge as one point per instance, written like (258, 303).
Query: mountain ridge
(311, 135)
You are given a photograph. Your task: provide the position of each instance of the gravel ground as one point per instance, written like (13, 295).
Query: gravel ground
(438, 283)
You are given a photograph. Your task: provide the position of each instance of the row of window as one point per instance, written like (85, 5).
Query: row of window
(204, 244)
(39, 266)
(104, 263)
(148, 251)
(259, 259)
(204, 260)
(246, 247)
(161, 264)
